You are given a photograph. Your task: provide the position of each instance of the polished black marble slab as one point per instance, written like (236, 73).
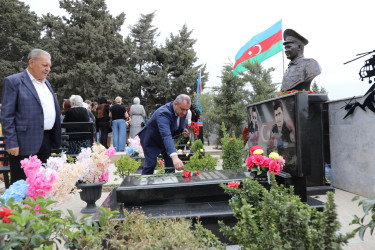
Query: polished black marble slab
(141, 190)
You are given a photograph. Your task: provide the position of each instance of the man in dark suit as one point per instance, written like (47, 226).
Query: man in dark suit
(156, 137)
(30, 113)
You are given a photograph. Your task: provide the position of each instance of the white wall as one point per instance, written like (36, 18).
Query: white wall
(352, 142)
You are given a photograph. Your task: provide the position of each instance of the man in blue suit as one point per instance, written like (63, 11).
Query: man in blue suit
(156, 137)
(30, 114)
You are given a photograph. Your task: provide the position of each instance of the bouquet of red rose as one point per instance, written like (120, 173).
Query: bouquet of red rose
(259, 163)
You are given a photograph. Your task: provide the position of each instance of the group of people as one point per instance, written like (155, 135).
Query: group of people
(110, 120)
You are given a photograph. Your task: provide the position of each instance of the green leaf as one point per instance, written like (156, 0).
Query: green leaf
(355, 198)
(362, 231)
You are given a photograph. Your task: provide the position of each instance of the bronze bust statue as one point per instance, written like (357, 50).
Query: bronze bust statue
(301, 71)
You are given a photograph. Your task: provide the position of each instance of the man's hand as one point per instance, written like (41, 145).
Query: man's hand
(14, 151)
(186, 133)
(177, 163)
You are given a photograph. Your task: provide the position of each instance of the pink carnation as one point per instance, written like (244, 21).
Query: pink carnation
(281, 162)
(110, 151)
(266, 162)
(258, 159)
(274, 166)
(249, 162)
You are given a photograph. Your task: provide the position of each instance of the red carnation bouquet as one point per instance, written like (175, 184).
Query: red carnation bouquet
(193, 128)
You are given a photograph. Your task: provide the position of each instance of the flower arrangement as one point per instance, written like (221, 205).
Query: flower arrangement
(96, 161)
(57, 178)
(288, 92)
(259, 163)
(135, 148)
(193, 128)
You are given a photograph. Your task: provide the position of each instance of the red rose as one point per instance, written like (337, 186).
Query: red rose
(294, 90)
(234, 184)
(231, 139)
(198, 172)
(253, 148)
(187, 174)
(289, 92)
(279, 95)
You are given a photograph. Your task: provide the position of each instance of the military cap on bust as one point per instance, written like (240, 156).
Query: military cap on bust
(290, 36)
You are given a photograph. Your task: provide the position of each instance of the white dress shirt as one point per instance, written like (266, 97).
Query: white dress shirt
(47, 101)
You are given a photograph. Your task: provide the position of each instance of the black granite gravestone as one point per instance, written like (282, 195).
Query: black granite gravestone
(292, 125)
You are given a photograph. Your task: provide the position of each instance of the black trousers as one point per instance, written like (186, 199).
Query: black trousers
(16, 172)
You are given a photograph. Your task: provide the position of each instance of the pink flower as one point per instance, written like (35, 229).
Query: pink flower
(110, 151)
(281, 162)
(273, 166)
(31, 166)
(249, 162)
(266, 162)
(104, 177)
(233, 184)
(252, 149)
(258, 159)
(198, 172)
(161, 163)
(231, 139)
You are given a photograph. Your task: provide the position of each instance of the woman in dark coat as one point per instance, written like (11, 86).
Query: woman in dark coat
(77, 113)
(102, 120)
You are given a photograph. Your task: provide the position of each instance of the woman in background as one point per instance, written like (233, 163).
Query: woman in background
(102, 121)
(119, 115)
(66, 105)
(137, 114)
(77, 113)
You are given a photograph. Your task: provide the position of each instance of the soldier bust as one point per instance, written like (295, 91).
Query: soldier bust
(301, 71)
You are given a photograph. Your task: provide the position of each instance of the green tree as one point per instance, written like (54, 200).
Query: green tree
(143, 34)
(89, 55)
(317, 90)
(19, 34)
(230, 100)
(261, 82)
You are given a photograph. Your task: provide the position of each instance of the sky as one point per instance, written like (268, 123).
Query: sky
(337, 31)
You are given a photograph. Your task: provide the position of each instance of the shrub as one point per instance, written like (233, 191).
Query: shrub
(197, 147)
(202, 163)
(46, 229)
(232, 154)
(277, 219)
(126, 166)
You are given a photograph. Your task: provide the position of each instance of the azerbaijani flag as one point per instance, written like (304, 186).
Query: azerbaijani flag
(260, 47)
(199, 90)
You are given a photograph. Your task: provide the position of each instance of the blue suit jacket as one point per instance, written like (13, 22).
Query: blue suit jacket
(156, 136)
(22, 116)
